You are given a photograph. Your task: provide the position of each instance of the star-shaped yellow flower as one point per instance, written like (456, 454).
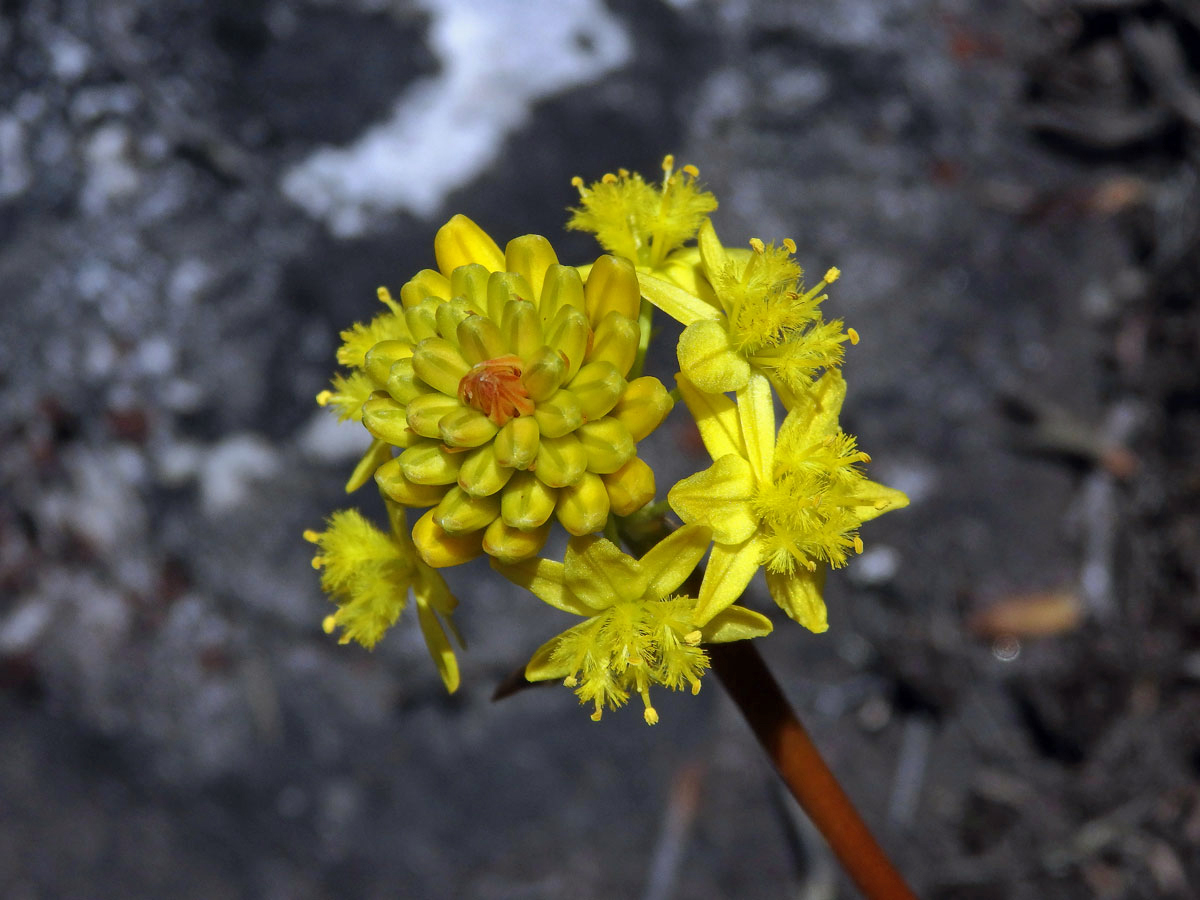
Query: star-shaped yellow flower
(744, 312)
(792, 503)
(637, 632)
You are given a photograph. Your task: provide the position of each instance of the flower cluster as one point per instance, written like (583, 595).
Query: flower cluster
(503, 392)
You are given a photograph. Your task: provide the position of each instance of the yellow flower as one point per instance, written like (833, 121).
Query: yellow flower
(637, 632)
(506, 394)
(792, 503)
(640, 221)
(749, 313)
(368, 574)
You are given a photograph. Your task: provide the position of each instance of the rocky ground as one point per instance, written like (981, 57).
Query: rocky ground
(196, 196)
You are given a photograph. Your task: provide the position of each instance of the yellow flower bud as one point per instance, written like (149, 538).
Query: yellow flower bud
(597, 386)
(559, 415)
(386, 420)
(448, 316)
(522, 328)
(527, 502)
(440, 549)
(563, 288)
(607, 445)
(479, 340)
(517, 443)
(530, 256)
(465, 427)
(381, 357)
(481, 475)
(612, 285)
(583, 507)
(503, 288)
(460, 242)
(429, 463)
(422, 319)
(615, 341)
(470, 283)
(512, 545)
(544, 374)
(560, 461)
(391, 480)
(643, 406)
(426, 283)
(570, 335)
(630, 487)
(403, 383)
(460, 513)
(426, 411)
(438, 363)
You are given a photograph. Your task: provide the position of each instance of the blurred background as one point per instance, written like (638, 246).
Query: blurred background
(197, 195)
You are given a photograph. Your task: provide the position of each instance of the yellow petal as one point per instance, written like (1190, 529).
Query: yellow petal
(677, 303)
(814, 413)
(669, 562)
(543, 667)
(756, 413)
(544, 578)
(599, 574)
(439, 646)
(712, 254)
(719, 497)
(876, 499)
(730, 569)
(708, 360)
(736, 623)
(461, 242)
(799, 595)
(716, 418)
(377, 454)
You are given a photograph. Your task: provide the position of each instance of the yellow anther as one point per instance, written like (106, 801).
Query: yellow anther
(577, 183)
(810, 565)
(318, 561)
(609, 178)
(689, 169)
(324, 397)
(789, 245)
(858, 544)
(311, 536)
(692, 637)
(864, 457)
(595, 717)
(385, 296)
(668, 162)
(758, 245)
(650, 715)
(695, 682)
(328, 624)
(622, 173)
(833, 274)
(570, 681)
(853, 335)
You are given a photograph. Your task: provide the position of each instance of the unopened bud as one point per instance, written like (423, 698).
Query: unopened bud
(530, 256)
(630, 487)
(616, 342)
(460, 513)
(426, 411)
(479, 339)
(597, 386)
(465, 427)
(607, 444)
(512, 545)
(461, 242)
(502, 288)
(429, 463)
(612, 285)
(559, 415)
(583, 507)
(563, 287)
(391, 480)
(470, 283)
(544, 373)
(439, 364)
(522, 328)
(570, 335)
(517, 443)
(440, 549)
(643, 406)
(526, 502)
(426, 283)
(560, 461)
(481, 475)
(386, 419)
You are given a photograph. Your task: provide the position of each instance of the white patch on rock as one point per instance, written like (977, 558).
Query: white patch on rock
(497, 59)
(324, 439)
(111, 174)
(229, 470)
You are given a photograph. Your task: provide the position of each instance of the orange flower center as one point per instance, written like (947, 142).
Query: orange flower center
(494, 387)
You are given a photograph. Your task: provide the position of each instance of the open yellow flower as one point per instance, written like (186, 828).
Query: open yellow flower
(368, 573)
(637, 632)
(501, 378)
(749, 313)
(641, 222)
(792, 503)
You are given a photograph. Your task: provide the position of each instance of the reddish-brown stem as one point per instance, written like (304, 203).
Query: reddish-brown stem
(799, 763)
